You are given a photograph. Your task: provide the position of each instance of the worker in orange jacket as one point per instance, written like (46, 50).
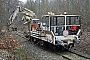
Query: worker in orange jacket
(73, 27)
(34, 26)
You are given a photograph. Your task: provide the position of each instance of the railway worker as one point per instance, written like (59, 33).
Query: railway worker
(73, 27)
(34, 26)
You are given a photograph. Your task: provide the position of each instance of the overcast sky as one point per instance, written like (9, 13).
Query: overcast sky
(23, 1)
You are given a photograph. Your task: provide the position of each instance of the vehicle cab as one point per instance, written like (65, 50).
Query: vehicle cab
(65, 28)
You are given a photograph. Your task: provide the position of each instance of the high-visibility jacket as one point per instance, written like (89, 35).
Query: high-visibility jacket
(73, 27)
(34, 26)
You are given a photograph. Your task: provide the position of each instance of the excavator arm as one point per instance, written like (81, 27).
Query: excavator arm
(28, 14)
(12, 17)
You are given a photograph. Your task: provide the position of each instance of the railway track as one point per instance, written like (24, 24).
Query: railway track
(21, 35)
(80, 55)
(70, 55)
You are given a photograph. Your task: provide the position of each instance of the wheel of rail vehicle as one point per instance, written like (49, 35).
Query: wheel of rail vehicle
(41, 43)
(35, 40)
(70, 46)
(31, 39)
(65, 48)
(52, 47)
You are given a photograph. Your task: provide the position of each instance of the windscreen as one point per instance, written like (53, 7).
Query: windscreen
(71, 20)
(57, 20)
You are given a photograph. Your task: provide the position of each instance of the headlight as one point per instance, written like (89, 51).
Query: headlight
(77, 41)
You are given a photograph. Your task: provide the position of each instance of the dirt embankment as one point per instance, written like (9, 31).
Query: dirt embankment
(10, 49)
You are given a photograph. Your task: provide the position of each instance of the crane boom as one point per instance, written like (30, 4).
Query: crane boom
(28, 14)
(12, 17)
